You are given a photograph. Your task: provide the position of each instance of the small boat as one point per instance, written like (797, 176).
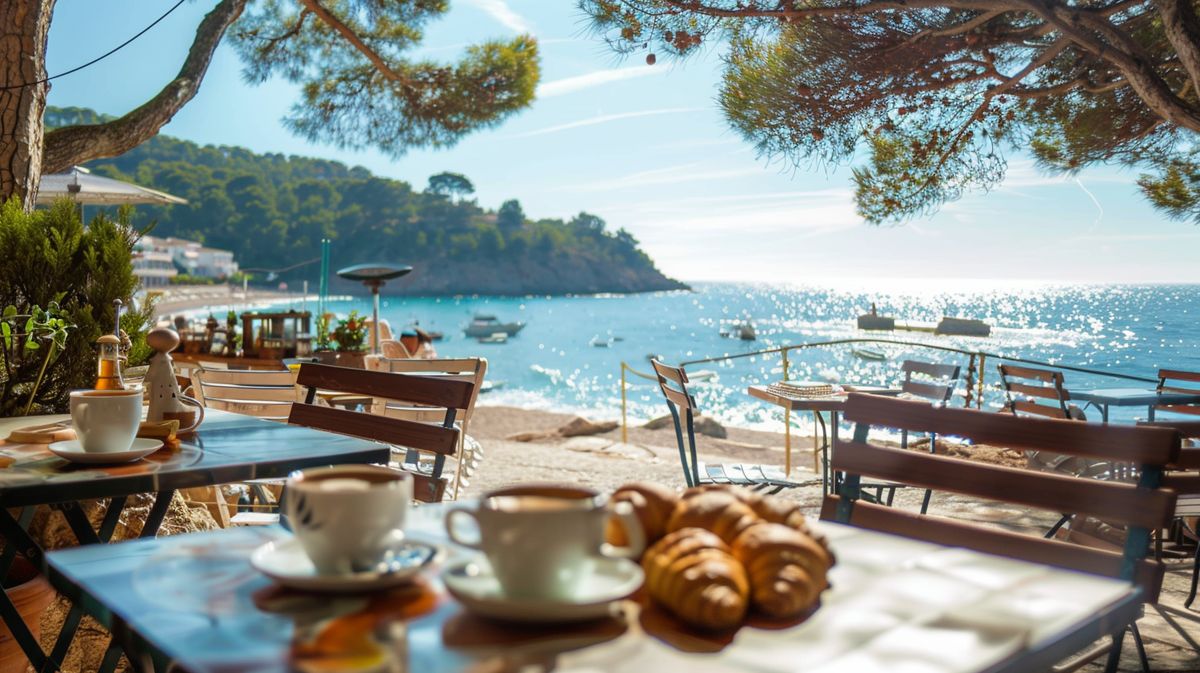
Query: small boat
(496, 338)
(868, 354)
(740, 329)
(484, 325)
(489, 386)
(601, 342)
(703, 376)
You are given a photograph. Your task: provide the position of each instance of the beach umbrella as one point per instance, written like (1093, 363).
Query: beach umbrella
(79, 185)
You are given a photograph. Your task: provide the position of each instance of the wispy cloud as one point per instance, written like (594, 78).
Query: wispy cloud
(567, 85)
(671, 175)
(604, 119)
(503, 14)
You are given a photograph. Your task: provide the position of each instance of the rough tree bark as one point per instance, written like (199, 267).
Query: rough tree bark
(76, 144)
(24, 27)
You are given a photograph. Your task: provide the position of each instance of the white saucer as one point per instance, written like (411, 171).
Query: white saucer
(73, 451)
(473, 584)
(285, 562)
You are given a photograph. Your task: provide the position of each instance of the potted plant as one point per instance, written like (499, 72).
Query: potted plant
(350, 337)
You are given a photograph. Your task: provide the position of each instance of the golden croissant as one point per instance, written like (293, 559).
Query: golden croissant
(691, 573)
(715, 510)
(652, 504)
(786, 567)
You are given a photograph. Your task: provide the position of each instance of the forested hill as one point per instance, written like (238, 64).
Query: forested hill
(272, 211)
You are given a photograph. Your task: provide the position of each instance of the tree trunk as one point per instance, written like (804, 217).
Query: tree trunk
(24, 27)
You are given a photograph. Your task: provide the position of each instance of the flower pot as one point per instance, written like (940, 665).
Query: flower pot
(355, 359)
(30, 593)
(326, 357)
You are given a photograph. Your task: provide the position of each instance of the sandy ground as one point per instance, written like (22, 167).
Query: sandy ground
(182, 298)
(603, 462)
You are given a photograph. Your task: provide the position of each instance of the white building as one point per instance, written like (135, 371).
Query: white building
(152, 264)
(193, 258)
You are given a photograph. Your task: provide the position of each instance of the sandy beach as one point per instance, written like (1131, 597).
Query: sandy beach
(183, 298)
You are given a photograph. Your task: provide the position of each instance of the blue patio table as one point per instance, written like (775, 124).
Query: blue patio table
(194, 603)
(226, 448)
(1132, 397)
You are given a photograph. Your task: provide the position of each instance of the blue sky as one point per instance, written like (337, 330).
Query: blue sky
(647, 149)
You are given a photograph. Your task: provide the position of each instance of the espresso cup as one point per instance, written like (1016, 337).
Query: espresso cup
(348, 517)
(106, 420)
(542, 541)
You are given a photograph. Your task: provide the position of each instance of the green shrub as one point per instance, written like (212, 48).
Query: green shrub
(50, 256)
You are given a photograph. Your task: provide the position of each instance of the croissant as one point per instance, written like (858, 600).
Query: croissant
(691, 573)
(652, 503)
(718, 511)
(786, 567)
(775, 510)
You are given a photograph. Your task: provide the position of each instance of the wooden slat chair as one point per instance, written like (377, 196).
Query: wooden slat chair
(1042, 392)
(934, 382)
(1184, 478)
(1178, 381)
(441, 440)
(1143, 507)
(673, 382)
(261, 393)
(472, 370)
(265, 394)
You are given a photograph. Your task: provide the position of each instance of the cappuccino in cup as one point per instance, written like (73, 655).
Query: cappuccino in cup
(542, 541)
(348, 517)
(106, 421)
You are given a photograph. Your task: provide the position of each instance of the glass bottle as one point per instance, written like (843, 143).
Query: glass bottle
(108, 368)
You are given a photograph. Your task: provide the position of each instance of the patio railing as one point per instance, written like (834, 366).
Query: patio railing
(975, 377)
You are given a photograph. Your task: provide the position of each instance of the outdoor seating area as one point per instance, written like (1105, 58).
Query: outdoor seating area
(987, 597)
(604, 336)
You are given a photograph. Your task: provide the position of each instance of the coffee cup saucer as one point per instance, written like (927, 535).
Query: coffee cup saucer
(285, 562)
(473, 584)
(72, 450)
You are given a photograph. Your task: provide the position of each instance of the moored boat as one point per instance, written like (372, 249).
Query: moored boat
(485, 325)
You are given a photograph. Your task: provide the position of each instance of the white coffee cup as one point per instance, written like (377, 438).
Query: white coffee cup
(348, 517)
(106, 420)
(542, 541)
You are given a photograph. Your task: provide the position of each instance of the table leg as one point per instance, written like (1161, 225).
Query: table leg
(1150, 413)
(1104, 413)
(10, 550)
(154, 519)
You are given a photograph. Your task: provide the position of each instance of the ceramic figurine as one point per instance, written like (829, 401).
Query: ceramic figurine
(166, 400)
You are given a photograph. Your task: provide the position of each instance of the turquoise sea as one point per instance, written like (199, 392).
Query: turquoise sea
(552, 363)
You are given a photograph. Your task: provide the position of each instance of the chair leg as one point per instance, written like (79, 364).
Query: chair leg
(1195, 577)
(1114, 655)
(1141, 647)
(925, 501)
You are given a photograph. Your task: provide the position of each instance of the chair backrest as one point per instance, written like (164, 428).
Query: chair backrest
(1183, 476)
(471, 370)
(266, 394)
(391, 348)
(448, 394)
(1142, 507)
(672, 381)
(1178, 381)
(938, 383)
(1040, 392)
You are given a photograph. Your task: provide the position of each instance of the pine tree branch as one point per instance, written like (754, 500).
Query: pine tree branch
(354, 39)
(71, 145)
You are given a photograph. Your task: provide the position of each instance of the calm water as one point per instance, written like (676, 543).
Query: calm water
(551, 363)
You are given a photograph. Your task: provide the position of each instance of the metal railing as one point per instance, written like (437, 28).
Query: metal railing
(975, 377)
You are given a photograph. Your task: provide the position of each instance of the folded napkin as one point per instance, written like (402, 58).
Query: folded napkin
(801, 389)
(45, 433)
(161, 430)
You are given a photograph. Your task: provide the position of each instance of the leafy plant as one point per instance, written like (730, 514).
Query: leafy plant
(75, 273)
(351, 333)
(324, 342)
(40, 325)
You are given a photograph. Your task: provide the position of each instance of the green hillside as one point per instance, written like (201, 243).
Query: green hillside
(272, 210)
